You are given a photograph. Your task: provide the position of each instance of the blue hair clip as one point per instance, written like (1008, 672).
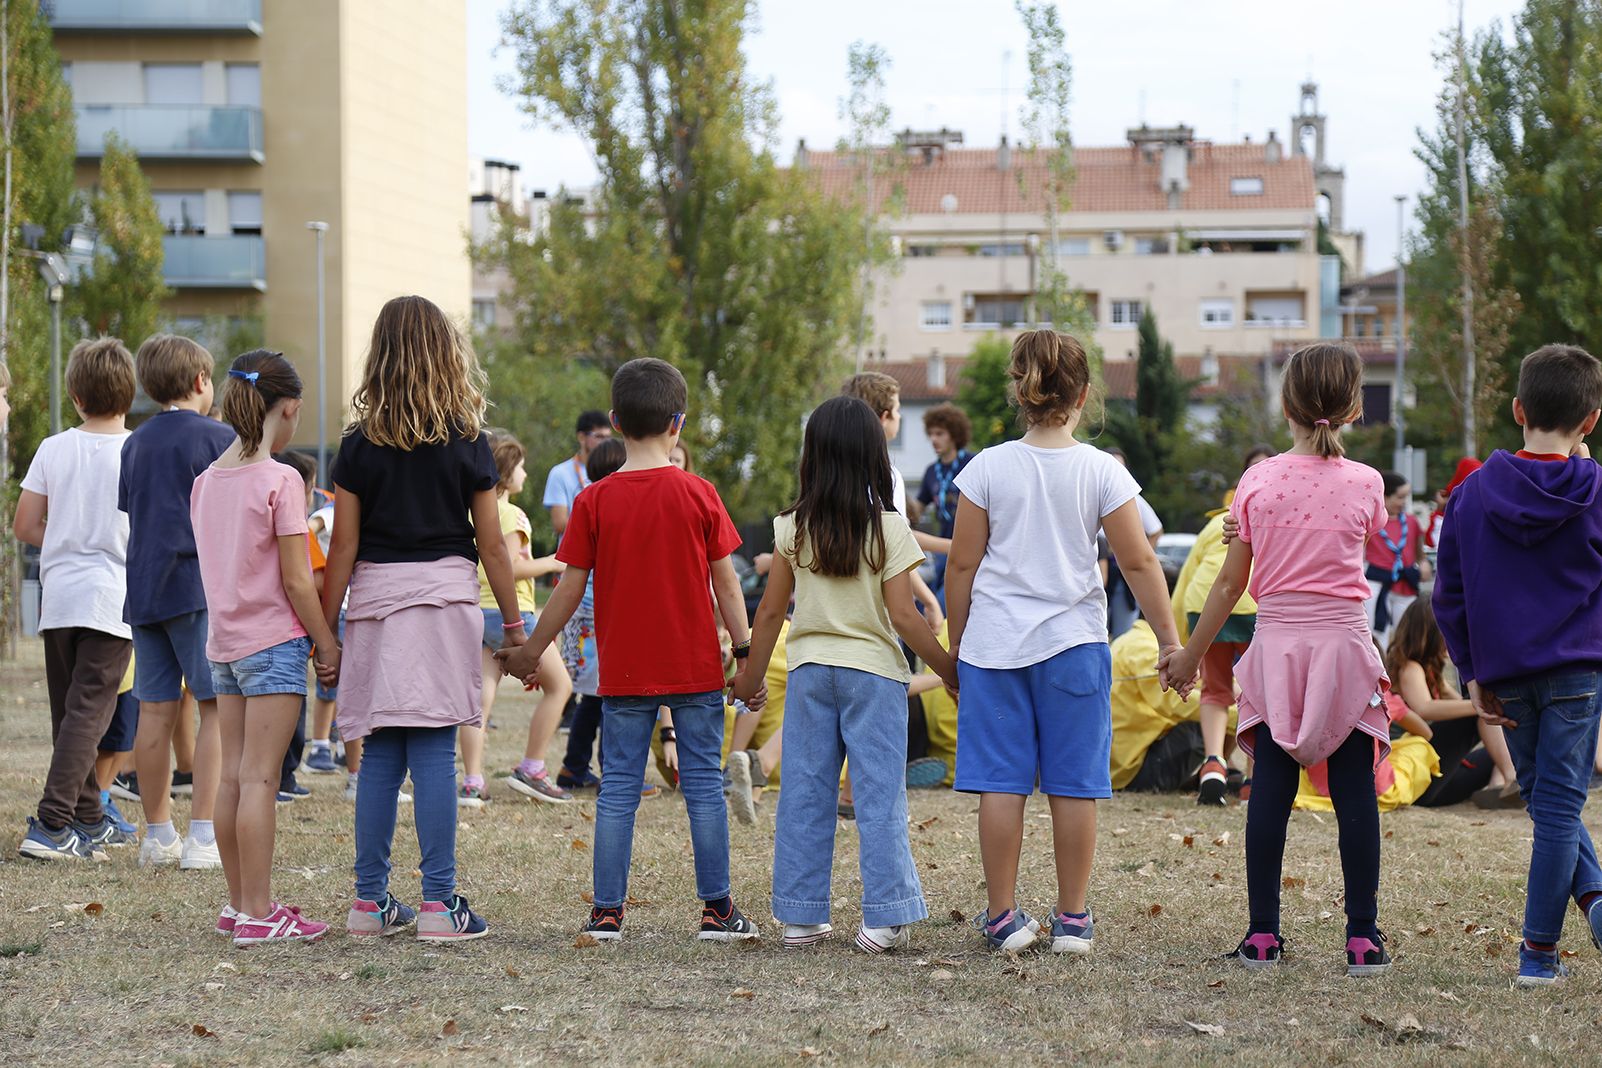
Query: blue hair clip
(248, 376)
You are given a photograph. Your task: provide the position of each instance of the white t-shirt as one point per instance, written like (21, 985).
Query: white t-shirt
(1038, 590)
(83, 568)
(1149, 522)
(898, 491)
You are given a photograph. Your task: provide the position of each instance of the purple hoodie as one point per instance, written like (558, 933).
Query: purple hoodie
(1518, 581)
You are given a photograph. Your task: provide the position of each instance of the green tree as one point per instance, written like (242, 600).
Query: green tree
(866, 113)
(1148, 429)
(122, 295)
(985, 392)
(696, 246)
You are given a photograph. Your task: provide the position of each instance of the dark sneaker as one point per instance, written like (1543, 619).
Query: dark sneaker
(539, 787)
(41, 843)
(1214, 782)
(846, 810)
(574, 780)
(297, 789)
(449, 921)
(1013, 930)
(106, 834)
(320, 761)
(926, 773)
(109, 807)
(183, 783)
(1367, 956)
(285, 797)
(1539, 967)
(1073, 934)
(1259, 951)
(731, 928)
(125, 787)
(1593, 916)
(605, 925)
(379, 918)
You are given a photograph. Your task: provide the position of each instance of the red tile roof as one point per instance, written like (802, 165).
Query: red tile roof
(1375, 351)
(1237, 376)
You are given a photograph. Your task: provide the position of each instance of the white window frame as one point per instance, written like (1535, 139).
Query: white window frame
(239, 220)
(253, 89)
(1125, 314)
(935, 321)
(1073, 246)
(1246, 185)
(1216, 313)
(194, 71)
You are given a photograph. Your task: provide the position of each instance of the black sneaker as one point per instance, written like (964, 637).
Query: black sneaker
(1367, 956)
(125, 787)
(1214, 782)
(584, 780)
(1258, 951)
(183, 783)
(730, 928)
(606, 925)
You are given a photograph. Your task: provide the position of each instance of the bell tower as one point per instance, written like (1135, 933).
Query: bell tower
(1330, 181)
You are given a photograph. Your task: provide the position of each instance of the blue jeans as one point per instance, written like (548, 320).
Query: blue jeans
(430, 753)
(1553, 749)
(626, 726)
(831, 713)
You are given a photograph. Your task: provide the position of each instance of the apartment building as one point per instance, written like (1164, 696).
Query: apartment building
(496, 197)
(252, 119)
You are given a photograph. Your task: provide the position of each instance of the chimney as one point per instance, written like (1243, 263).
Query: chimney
(1004, 155)
(1209, 367)
(1273, 151)
(801, 154)
(935, 374)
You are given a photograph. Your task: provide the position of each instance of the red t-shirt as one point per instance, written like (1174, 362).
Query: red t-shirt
(1381, 555)
(650, 538)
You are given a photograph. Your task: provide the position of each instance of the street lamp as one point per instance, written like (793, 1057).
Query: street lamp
(1398, 415)
(53, 270)
(319, 229)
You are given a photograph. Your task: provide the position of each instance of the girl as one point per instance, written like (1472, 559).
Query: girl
(1396, 561)
(847, 555)
(680, 457)
(1028, 625)
(414, 494)
(530, 777)
(249, 515)
(1311, 684)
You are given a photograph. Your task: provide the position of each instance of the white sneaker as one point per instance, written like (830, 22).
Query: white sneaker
(199, 855)
(152, 854)
(806, 934)
(402, 798)
(882, 939)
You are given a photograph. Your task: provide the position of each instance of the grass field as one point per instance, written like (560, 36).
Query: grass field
(137, 978)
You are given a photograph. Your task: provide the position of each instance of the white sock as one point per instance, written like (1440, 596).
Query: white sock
(202, 831)
(163, 832)
(321, 744)
(350, 779)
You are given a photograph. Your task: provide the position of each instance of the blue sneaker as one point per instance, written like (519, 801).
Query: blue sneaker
(379, 918)
(1073, 934)
(109, 807)
(926, 773)
(1011, 931)
(41, 843)
(320, 760)
(106, 834)
(1539, 967)
(449, 921)
(1593, 916)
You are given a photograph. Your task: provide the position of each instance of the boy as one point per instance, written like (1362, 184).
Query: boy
(166, 604)
(1522, 542)
(82, 569)
(656, 538)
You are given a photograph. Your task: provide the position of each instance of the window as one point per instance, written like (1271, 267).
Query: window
(66, 74)
(936, 315)
(1151, 246)
(1376, 404)
(244, 85)
(182, 213)
(1379, 326)
(921, 251)
(1360, 327)
(1073, 246)
(244, 213)
(1246, 187)
(1217, 313)
(173, 83)
(985, 309)
(1125, 313)
(483, 313)
(1010, 248)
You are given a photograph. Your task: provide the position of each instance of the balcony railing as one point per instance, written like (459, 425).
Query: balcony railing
(154, 16)
(235, 261)
(173, 131)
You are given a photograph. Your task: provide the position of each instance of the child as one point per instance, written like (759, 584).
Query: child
(948, 430)
(1396, 560)
(72, 483)
(846, 553)
(680, 457)
(656, 538)
(1311, 684)
(166, 602)
(529, 778)
(1029, 634)
(414, 488)
(249, 513)
(1517, 603)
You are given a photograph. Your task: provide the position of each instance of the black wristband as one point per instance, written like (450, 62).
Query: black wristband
(667, 735)
(743, 650)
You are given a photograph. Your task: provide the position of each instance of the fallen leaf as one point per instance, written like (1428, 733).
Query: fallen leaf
(94, 908)
(1567, 953)
(879, 1028)
(1204, 1028)
(588, 897)
(1439, 904)
(1389, 833)
(1291, 882)
(514, 1008)
(1493, 949)
(940, 975)
(1148, 869)
(513, 973)
(1325, 914)
(1373, 1021)
(1408, 1025)
(1449, 996)
(635, 902)
(1222, 840)
(924, 825)
(1190, 841)
(957, 916)
(1218, 876)
(1432, 842)
(1426, 931)
(587, 814)
(202, 1031)
(1216, 984)
(578, 843)
(449, 1029)
(369, 1017)
(948, 962)
(344, 975)
(1293, 1022)
(742, 992)
(1119, 832)
(225, 966)
(808, 1051)
(585, 941)
(213, 987)
(1154, 911)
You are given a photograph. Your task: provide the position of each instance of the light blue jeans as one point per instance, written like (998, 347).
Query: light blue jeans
(626, 726)
(430, 753)
(831, 713)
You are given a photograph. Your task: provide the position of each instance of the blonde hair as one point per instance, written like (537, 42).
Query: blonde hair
(422, 384)
(874, 388)
(100, 376)
(1322, 390)
(508, 453)
(5, 375)
(168, 366)
(1050, 373)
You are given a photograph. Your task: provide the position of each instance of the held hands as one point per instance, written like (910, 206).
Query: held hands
(1176, 669)
(1489, 707)
(1231, 527)
(750, 688)
(326, 663)
(520, 659)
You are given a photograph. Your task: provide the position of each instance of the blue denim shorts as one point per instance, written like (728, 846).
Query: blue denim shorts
(169, 654)
(331, 693)
(279, 668)
(494, 631)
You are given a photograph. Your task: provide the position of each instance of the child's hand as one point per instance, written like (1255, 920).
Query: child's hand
(949, 677)
(1176, 670)
(670, 755)
(1489, 707)
(511, 639)
(1231, 527)
(326, 663)
(744, 686)
(521, 661)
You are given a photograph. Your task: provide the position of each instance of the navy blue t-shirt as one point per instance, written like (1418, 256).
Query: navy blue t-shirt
(940, 489)
(160, 463)
(416, 503)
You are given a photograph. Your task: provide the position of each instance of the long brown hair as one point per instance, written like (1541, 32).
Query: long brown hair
(1417, 638)
(1049, 374)
(1322, 390)
(257, 380)
(845, 490)
(422, 384)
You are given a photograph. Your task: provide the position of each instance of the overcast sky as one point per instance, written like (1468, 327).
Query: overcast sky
(1229, 68)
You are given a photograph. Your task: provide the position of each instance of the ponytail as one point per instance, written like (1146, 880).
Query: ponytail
(1050, 373)
(257, 380)
(1322, 391)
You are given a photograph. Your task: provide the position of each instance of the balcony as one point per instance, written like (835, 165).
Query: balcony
(173, 131)
(242, 17)
(236, 261)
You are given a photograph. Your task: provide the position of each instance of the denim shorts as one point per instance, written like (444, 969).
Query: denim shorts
(169, 654)
(494, 632)
(279, 668)
(331, 693)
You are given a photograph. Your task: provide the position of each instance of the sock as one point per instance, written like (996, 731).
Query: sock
(163, 833)
(202, 831)
(532, 768)
(1541, 947)
(350, 778)
(1586, 900)
(321, 744)
(722, 907)
(473, 780)
(1075, 915)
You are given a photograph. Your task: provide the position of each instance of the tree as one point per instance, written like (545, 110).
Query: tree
(1148, 429)
(985, 392)
(867, 117)
(122, 296)
(695, 246)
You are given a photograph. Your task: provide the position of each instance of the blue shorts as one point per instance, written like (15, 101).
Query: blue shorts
(494, 631)
(169, 654)
(279, 668)
(119, 736)
(1050, 722)
(331, 693)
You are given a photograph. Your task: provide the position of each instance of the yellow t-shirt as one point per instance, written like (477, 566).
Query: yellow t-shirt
(1201, 570)
(1142, 711)
(512, 518)
(843, 622)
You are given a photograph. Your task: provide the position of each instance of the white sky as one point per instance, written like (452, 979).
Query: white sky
(1227, 67)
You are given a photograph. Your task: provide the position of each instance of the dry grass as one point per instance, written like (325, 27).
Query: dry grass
(144, 982)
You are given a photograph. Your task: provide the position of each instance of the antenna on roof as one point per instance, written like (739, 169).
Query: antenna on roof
(1143, 105)
(1234, 111)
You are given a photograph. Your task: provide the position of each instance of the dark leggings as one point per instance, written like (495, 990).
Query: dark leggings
(581, 735)
(1351, 787)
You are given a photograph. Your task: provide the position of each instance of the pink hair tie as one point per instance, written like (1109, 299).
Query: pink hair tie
(1321, 422)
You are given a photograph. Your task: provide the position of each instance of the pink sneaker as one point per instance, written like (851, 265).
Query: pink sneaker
(227, 920)
(282, 924)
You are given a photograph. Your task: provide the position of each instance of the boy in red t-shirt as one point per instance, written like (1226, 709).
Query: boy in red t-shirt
(657, 539)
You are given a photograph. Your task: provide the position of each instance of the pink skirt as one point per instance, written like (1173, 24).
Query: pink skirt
(1312, 676)
(411, 653)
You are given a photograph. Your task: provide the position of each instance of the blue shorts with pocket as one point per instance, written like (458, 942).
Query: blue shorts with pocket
(494, 632)
(1049, 722)
(169, 654)
(331, 693)
(119, 736)
(279, 668)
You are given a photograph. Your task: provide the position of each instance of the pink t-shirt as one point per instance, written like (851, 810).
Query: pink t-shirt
(1307, 520)
(239, 513)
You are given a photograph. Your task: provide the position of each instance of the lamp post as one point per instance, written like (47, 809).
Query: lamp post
(55, 274)
(1401, 328)
(319, 229)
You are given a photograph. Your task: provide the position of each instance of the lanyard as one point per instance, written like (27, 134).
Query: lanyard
(1399, 548)
(581, 473)
(945, 474)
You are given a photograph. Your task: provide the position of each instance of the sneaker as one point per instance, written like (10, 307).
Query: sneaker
(575, 780)
(605, 925)
(297, 790)
(402, 798)
(845, 810)
(1538, 967)
(282, 924)
(125, 787)
(198, 855)
(1593, 916)
(1259, 951)
(539, 787)
(284, 797)
(1214, 782)
(449, 921)
(1367, 956)
(106, 834)
(183, 783)
(740, 801)
(109, 807)
(153, 854)
(1013, 930)
(227, 920)
(41, 843)
(378, 918)
(1246, 790)
(926, 773)
(806, 934)
(650, 789)
(320, 761)
(1073, 934)
(731, 928)
(882, 939)
(471, 796)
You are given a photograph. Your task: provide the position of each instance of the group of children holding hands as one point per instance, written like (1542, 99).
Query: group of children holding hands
(419, 562)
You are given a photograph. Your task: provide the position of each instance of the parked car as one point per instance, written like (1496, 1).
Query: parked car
(1174, 548)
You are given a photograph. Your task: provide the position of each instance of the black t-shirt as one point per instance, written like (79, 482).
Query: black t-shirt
(416, 504)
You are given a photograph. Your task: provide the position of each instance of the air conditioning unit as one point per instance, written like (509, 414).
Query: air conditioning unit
(1113, 239)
